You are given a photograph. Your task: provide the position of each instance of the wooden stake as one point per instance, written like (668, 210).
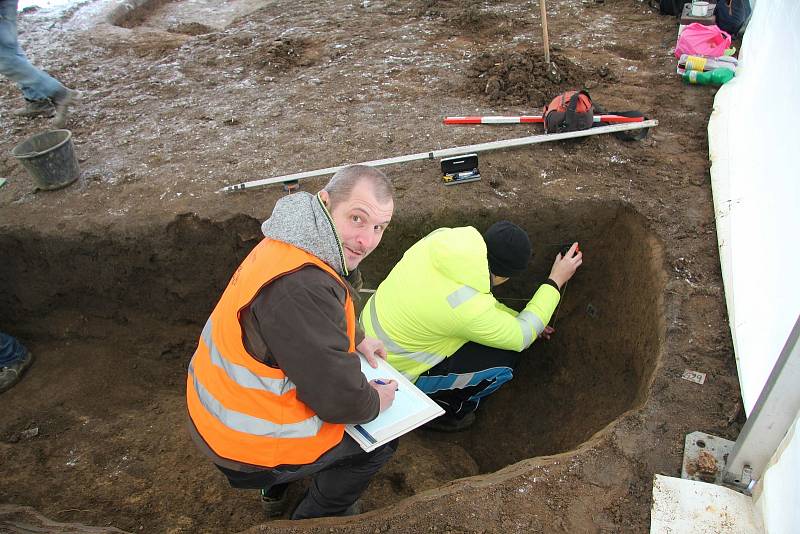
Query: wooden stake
(545, 38)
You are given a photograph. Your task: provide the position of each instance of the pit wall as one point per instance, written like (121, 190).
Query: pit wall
(129, 13)
(172, 274)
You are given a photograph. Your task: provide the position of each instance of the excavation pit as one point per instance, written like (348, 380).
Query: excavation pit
(113, 317)
(191, 18)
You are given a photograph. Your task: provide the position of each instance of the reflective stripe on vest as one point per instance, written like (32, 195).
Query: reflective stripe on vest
(529, 323)
(248, 424)
(461, 295)
(425, 358)
(242, 375)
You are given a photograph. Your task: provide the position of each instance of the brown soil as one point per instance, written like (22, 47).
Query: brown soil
(524, 77)
(109, 280)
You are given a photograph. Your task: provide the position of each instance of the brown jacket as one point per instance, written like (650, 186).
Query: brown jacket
(297, 324)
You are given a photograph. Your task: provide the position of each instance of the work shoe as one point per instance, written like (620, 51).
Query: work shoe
(354, 509)
(11, 374)
(450, 423)
(63, 101)
(275, 500)
(36, 108)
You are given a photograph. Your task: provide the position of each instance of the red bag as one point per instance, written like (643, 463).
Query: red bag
(569, 112)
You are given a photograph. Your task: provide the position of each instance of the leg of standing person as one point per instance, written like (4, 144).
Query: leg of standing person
(459, 382)
(40, 90)
(14, 361)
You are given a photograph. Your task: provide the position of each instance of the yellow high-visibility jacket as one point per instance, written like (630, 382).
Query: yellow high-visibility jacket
(438, 297)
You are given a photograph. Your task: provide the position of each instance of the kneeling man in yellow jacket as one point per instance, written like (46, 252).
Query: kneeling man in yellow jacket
(441, 325)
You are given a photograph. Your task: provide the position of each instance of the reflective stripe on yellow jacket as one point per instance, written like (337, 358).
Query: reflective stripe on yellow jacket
(244, 410)
(438, 297)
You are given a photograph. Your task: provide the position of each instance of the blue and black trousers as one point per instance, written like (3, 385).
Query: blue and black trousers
(473, 372)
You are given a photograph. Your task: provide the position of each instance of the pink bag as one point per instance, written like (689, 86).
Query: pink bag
(696, 39)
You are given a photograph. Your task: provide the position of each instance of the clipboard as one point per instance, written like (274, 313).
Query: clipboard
(411, 409)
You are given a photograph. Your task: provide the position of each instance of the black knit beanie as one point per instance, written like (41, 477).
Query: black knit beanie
(508, 248)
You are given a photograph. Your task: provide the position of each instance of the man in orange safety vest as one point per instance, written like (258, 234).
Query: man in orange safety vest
(275, 376)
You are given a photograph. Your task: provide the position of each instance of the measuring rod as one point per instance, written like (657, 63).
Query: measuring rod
(443, 153)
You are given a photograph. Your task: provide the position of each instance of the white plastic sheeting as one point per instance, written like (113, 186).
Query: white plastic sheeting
(755, 152)
(778, 494)
(754, 147)
(690, 507)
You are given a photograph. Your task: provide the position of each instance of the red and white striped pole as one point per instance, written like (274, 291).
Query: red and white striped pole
(611, 119)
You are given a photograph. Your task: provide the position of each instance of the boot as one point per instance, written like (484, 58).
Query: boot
(36, 108)
(356, 508)
(11, 374)
(275, 500)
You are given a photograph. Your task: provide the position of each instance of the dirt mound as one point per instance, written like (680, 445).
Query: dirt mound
(248, 52)
(469, 16)
(282, 54)
(525, 78)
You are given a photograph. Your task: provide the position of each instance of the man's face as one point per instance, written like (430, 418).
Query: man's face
(360, 221)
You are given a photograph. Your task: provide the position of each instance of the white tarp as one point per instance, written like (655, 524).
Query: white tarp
(755, 152)
(689, 507)
(778, 494)
(755, 149)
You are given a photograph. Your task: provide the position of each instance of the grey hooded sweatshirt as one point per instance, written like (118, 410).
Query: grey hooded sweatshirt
(297, 323)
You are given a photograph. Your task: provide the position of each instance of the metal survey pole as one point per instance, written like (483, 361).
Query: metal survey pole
(455, 151)
(772, 415)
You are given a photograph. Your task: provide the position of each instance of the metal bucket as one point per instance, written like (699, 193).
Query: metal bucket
(50, 158)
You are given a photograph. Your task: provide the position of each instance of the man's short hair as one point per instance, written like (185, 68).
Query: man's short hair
(341, 184)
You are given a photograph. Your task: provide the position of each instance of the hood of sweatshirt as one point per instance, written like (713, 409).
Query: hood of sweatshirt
(302, 220)
(460, 255)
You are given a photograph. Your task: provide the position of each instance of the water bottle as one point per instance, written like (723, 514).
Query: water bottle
(703, 63)
(713, 77)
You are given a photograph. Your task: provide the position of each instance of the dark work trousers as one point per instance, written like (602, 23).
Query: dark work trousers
(340, 476)
(458, 383)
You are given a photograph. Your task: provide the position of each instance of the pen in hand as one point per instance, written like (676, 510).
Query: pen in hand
(382, 383)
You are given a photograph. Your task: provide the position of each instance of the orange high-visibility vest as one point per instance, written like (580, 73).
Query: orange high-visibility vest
(244, 410)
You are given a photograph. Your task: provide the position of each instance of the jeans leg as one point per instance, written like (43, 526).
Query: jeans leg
(34, 83)
(334, 489)
(475, 371)
(11, 350)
